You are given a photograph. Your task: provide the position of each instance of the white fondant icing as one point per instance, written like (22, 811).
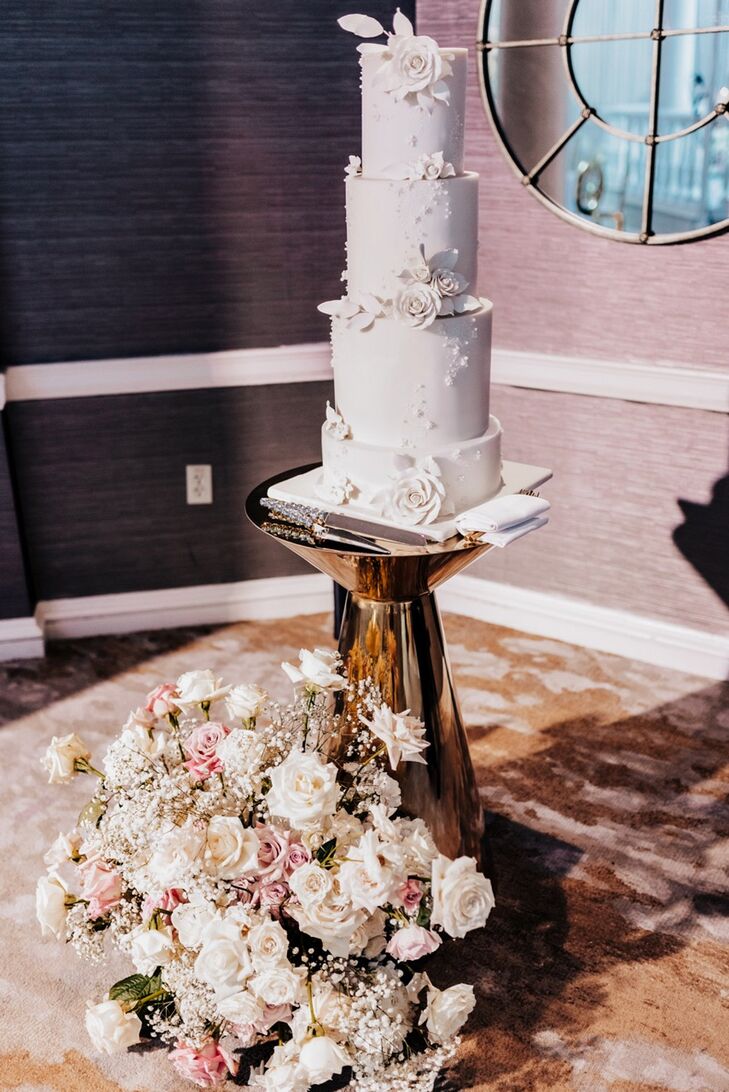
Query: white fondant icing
(379, 373)
(388, 221)
(389, 123)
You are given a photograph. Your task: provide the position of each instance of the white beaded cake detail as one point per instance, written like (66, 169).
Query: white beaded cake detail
(410, 438)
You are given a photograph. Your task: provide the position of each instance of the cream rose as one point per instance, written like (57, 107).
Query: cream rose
(50, 906)
(65, 757)
(65, 848)
(322, 1058)
(199, 688)
(279, 984)
(303, 789)
(152, 948)
(311, 884)
(446, 1011)
(224, 961)
(231, 850)
(245, 701)
(333, 921)
(364, 878)
(401, 733)
(317, 670)
(110, 1028)
(462, 896)
(268, 944)
(241, 1008)
(190, 919)
(417, 304)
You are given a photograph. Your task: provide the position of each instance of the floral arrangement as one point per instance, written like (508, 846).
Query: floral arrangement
(250, 860)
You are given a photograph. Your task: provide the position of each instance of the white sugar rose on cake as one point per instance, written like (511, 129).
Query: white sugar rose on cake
(275, 907)
(410, 439)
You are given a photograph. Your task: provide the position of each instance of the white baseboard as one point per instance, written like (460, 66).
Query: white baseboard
(620, 632)
(206, 604)
(660, 383)
(20, 639)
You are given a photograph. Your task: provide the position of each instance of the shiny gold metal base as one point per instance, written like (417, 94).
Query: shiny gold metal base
(392, 631)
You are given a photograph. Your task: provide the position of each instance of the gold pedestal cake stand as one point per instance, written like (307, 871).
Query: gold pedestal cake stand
(391, 630)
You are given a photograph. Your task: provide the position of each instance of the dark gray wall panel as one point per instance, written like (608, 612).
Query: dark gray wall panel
(14, 598)
(171, 173)
(102, 485)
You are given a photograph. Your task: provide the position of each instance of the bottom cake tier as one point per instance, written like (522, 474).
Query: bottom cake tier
(408, 488)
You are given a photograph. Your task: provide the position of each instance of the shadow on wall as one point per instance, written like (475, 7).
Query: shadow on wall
(703, 538)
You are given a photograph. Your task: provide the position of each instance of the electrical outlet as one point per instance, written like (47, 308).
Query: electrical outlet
(199, 481)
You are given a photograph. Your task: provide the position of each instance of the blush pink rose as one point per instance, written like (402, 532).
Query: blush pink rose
(410, 894)
(167, 901)
(272, 850)
(296, 856)
(273, 1014)
(160, 700)
(201, 747)
(413, 942)
(205, 1067)
(101, 885)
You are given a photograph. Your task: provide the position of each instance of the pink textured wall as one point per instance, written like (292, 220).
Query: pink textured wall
(559, 289)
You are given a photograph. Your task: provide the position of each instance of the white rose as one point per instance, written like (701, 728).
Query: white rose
(418, 305)
(303, 789)
(449, 283)
(446, 1011)
(416, 495)
(152, 948)
(418, 845)
(462, 896)
(286, 1077)
(317, 670)
(190, 919)
(141, 718)
(322, 1058)
(65, 848)
(231, 850)
(434, 166)
(50, 906)
(278, 985)
(141, 741)
(110, 1028)
(401, 733)
(245, 701)
(268, 943)
(311, 883)
(415, 65)
(370, 938)
(224, 961)
(199, 688)
(176, 855)
(333, 921)
(364, 878)
(241, 1008)
(64, 756)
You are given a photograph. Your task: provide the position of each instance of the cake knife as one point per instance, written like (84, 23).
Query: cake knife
(357, 531)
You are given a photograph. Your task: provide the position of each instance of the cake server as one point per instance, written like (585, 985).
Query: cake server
(319, 521)
(296, 533)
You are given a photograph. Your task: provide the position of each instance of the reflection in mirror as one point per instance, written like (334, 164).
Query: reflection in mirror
(626, 132)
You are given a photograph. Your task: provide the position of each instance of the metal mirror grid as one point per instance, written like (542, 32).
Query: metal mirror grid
(613, 113)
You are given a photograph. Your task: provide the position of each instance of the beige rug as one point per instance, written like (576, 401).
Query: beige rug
(605, 965)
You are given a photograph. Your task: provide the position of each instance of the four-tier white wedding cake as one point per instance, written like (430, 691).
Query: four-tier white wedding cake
(410, 438)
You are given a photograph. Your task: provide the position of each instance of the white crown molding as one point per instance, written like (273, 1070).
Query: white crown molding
(619, 632)
(623, 633)
(205, 604)
(660, 384)
(20, 639)
(152, 374)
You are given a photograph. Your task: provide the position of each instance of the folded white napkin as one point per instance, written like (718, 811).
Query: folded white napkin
(503, 538)
(502, 514)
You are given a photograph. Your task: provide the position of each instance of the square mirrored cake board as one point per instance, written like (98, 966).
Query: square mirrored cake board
(301, 488)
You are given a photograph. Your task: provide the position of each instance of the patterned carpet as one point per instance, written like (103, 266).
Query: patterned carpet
(605, 965)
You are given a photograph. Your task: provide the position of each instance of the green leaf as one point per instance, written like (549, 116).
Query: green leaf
(135, 988)
(325, 852)
(91, 814)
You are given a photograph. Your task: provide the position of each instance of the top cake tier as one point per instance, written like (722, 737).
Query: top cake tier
(399, 131)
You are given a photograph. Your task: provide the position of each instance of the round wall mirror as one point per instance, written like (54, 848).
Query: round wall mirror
(613, 113)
